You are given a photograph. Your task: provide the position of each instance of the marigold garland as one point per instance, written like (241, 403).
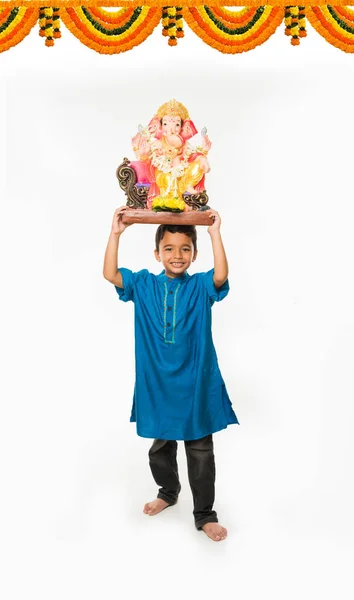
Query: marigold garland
(56, 23)
(15, 24)
(179, 21)
(292, 24)
(99, 32)
(228, 31)
(239, 17)
(302, 21)
(169, 24)
(117, 17)
(148, 3)
(46, 28)
(41, 22)
(346, 12)
(165, 21)
(287, 20)
(334, 25)
(220, 31)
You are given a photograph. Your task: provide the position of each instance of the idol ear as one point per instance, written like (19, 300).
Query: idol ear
(188, 129)
(155, 127)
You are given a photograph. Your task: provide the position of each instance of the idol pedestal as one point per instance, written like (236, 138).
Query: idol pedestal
(137, 195)
(191, 217)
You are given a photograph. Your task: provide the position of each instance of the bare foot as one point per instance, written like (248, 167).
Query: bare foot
(154, 507)
(215, 531)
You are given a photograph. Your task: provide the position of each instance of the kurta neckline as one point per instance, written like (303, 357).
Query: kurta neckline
(181, 279)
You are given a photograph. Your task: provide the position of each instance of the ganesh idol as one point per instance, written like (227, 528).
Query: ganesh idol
(166, 160)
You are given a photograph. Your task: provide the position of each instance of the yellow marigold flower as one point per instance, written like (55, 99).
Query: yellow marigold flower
(168, 203)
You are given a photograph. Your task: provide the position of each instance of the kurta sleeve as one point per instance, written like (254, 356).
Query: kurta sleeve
(130, 281)
(215, 294)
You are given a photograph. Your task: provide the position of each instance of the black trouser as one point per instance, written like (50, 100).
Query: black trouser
(201, 475)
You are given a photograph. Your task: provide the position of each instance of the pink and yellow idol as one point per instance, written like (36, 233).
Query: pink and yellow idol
(167, 161)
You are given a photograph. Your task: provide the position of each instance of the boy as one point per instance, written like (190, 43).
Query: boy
(179, 392)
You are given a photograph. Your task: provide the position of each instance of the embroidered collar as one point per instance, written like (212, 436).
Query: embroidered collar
(181, 279)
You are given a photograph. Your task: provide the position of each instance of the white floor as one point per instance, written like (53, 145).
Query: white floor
(82, 533)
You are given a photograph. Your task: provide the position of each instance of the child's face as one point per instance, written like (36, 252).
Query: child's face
(176, 252)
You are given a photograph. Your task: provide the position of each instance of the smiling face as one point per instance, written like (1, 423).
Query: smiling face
(176, 252)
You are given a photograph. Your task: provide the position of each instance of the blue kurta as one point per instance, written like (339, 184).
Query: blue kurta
(179, 392)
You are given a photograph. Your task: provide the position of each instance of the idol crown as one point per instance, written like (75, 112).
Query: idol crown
(172, 107)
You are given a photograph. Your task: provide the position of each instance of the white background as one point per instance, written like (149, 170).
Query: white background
(74, 475)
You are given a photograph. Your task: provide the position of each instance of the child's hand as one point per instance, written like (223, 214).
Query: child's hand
(215, 226)
(117, 224)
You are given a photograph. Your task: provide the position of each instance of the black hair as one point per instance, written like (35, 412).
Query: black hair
(189, 230)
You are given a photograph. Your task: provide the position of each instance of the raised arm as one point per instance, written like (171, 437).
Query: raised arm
(110, 266)
(221, 268)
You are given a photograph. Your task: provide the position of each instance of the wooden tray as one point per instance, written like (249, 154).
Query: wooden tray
(192, 217)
